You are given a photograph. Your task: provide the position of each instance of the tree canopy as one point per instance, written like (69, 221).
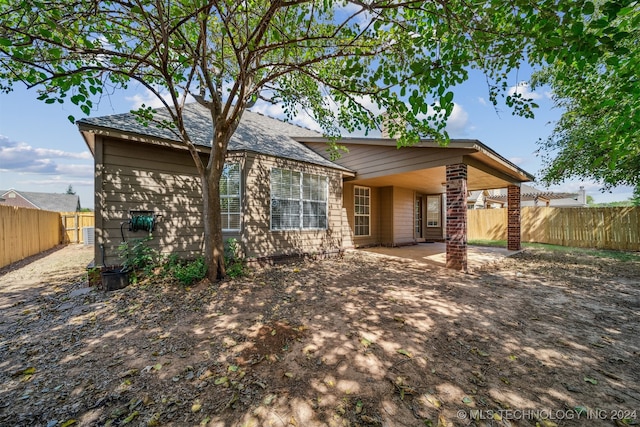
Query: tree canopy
(332, 59)
(598, 135)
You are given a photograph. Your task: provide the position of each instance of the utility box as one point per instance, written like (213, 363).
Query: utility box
(88, 235)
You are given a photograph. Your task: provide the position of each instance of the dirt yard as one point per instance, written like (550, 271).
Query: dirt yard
(542, 338)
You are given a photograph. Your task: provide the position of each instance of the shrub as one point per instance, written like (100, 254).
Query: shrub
(232, 261)
(188, 272)
(137, 255)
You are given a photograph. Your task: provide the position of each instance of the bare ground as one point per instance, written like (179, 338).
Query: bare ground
(542, 337)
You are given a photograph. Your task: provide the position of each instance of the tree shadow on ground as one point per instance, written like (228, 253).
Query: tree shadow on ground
(360, 340)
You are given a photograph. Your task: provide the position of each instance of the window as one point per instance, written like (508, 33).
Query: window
(433, 211)
(298, 200)
(230, 197)
(362, 211)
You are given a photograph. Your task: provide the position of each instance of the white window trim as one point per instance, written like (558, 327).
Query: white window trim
(239, 197)
(361, 215)
(301, 200)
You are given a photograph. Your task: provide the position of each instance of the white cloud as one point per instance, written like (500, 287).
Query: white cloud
(58, 181)
(482, 101)
(150, 99)
(275, 110)
(517, 160)
(22, 157)
(458, 121)
(524, 90)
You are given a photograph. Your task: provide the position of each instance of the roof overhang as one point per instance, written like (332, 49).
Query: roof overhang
(479, 155)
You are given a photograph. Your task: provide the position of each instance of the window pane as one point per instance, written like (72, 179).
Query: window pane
(293, 192)
(362, 211)
(433, 211)
(230, 196)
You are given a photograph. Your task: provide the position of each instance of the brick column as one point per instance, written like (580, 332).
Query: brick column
(457, 216)
(513, 218)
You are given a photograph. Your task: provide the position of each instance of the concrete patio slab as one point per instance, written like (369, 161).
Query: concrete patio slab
(435, 253)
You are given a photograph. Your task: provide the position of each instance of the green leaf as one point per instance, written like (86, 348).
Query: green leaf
(588, 8)
(405, 353)
(591, 380)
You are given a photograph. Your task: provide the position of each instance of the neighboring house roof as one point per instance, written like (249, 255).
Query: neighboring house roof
(256, 133)
(45, 201)
(528, 194)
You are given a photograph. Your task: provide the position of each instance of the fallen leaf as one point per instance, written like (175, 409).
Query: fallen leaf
(512, 357)
(442, 421)
(268, 400)
(129, 373)
(432, 400)
(359, 406)
(369, 420)
(196, 406)
(365, 342)
(221, 380)
(154, 421)
(591, 380)
(405, 353)
(68, 423)
(467, 401)
(130, 418)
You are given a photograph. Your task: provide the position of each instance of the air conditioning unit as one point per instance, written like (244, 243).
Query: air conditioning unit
(88, 235)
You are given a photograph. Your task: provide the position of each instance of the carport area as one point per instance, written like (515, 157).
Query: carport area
(436, 254)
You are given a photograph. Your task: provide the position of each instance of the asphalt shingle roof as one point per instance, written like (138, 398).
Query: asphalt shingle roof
(256, 133)
(50, 201)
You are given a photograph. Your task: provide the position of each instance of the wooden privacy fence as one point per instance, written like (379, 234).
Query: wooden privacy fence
(616, 228)
(25, 232)
(73, 223)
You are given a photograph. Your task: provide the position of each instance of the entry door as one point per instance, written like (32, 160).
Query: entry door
(418, 217)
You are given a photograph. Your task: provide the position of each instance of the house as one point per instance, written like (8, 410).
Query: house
(281, 195)
(529, 196)
(44, 201)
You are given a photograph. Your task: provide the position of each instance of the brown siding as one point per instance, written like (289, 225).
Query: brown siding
(132, 176)
(386, 215)
(374, 161)
(403, 212)
(258, 238)
(374, 225)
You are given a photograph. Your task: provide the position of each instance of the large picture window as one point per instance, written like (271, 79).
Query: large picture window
(298, 200)
(230, 197)
(362, 211)
(433, 211)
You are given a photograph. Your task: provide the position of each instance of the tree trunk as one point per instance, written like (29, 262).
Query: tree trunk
(213, 240)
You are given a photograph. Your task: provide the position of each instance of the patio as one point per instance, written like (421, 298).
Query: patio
(435, 253)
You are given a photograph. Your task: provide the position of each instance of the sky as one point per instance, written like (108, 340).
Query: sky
(41, 150)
